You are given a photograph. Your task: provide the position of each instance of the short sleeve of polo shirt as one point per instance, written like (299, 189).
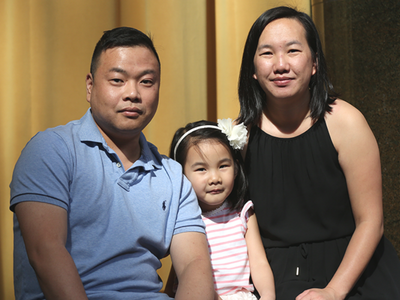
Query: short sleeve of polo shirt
(42, 172)
(189, 213)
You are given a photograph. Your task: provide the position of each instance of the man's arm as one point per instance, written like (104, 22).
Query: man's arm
(191, 261)
(44, 230)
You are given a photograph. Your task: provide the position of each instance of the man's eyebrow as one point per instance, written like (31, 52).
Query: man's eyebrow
(122, 71)
(117, 70)
(148, 71)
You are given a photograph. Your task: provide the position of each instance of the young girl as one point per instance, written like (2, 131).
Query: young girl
(210, 157)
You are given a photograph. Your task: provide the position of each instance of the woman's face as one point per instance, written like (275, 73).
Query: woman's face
(283, 62)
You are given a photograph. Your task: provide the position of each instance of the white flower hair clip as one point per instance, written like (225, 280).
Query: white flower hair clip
(236, 134)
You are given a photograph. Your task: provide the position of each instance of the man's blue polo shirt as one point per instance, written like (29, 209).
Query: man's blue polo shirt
(120, 223)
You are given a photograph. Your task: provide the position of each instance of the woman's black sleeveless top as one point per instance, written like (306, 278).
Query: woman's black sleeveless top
(298, 187)
(303, 209)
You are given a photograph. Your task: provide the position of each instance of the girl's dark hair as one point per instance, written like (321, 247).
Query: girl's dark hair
(238, 194)
(252, 98)
(121, 37)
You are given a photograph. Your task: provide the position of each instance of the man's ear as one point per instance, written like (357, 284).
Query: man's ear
(89, 86)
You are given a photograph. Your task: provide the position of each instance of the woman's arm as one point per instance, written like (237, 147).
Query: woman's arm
(359, 158)
(260, 269)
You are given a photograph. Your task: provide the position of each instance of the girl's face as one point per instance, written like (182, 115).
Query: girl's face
(283, 61)
(211, 170)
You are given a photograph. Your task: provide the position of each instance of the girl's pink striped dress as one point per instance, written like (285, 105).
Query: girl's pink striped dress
(226, 231)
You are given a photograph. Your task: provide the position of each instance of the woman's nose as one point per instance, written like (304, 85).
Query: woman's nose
(281, 64)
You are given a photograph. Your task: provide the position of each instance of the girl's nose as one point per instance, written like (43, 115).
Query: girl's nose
(215, 178)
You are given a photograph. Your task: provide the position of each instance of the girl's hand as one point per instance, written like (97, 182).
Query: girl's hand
(318, 294)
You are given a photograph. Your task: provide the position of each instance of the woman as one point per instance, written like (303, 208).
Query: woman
(314, 169)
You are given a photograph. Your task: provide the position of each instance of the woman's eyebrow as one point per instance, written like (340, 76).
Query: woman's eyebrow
(293, 42)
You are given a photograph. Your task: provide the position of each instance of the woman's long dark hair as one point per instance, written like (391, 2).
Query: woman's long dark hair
(239, 191)
(252, 98)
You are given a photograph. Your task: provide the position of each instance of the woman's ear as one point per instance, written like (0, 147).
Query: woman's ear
(315, 65)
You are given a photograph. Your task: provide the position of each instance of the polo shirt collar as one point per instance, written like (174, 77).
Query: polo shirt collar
(150, 158)
(89, 131)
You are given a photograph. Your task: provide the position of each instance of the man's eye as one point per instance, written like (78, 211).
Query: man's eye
(147, 82)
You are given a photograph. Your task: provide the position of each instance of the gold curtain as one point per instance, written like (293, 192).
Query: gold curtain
(45, 52)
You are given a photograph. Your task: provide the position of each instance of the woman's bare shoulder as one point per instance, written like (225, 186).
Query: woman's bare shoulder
(342, 111)
(344, 116)
(344, 122)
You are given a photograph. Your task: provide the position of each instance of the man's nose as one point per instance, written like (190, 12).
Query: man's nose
(131, 92)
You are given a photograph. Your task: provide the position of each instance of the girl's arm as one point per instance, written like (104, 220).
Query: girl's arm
(260, 269)
(359, 158)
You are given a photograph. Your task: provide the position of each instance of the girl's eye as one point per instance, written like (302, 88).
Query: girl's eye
(294, 50)
(200, 170)
(224, 166)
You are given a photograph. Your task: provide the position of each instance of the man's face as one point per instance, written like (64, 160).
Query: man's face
(123, 94)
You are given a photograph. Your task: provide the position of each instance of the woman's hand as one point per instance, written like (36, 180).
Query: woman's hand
(318, 294)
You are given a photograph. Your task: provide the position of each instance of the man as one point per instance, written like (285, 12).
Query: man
(96, 206)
